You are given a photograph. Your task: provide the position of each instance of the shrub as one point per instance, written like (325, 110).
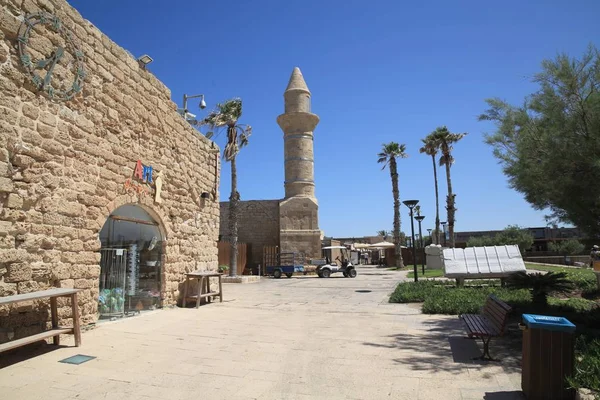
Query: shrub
(454, 301)
(417, 292)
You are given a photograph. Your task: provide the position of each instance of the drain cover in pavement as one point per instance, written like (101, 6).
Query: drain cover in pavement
(362, 291)
(78, 359)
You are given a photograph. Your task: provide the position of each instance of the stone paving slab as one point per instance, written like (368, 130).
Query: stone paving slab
(298, 338)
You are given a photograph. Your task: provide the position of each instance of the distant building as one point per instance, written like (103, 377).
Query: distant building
(541, 236)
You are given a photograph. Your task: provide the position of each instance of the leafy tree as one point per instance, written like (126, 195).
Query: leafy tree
(444, 139)
(481, 241)
(512, 234)
(227, 115)
(540, 285)
(567, 247)
(431, 148)
(549, 146)
(389, 153)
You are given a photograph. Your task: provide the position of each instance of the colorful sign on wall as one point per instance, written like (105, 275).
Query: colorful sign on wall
(143, 174)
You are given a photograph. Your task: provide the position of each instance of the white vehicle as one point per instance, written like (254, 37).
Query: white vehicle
(340, 264)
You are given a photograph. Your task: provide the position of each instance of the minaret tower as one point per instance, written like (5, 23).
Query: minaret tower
(298, 211)
(298, 124)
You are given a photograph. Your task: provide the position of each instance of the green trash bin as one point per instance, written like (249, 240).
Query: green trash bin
(548, 357)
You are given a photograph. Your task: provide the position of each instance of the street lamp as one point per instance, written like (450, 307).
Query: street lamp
(443, 230)
(420, 218)
(430, 238)
(411, 204)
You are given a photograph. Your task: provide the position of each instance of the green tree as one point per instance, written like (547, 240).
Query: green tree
(431, 148)
(445, 140)
(512, 234)
(389, 153)
(549, 146)
(227, 115)
(481, 241)
(567, 247)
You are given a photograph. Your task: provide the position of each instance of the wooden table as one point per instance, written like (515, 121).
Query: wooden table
(56, 331)
(203, 279)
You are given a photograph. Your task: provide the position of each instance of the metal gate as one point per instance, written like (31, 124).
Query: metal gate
(113, 270)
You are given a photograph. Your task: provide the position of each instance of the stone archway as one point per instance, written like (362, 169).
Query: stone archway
(132, 257)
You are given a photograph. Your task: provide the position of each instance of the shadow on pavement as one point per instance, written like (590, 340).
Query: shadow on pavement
(442, 345)
(512, 395)
(25, 353)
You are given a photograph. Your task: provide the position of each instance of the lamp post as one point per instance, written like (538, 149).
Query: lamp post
(420, 218)
(429, 232)
(444, 230)
(411, 204)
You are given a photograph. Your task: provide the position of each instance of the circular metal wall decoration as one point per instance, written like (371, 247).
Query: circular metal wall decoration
(67, 55)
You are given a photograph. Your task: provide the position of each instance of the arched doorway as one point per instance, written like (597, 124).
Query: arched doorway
(130, 263)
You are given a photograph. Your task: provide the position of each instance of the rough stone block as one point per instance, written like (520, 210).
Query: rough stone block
(31, 111)
(6, 185)
(18, 272)
(67, 283)
(27, 287)
(14, 201)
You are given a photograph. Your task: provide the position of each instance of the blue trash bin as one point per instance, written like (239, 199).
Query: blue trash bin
(548, 357)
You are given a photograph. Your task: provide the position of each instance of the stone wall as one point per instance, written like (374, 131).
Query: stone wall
(63, 166)
(258, 226)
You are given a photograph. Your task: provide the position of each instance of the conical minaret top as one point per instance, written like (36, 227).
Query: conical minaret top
(297, 81)
(298, 124)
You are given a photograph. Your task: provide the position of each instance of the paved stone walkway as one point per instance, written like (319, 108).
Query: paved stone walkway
(299, 338)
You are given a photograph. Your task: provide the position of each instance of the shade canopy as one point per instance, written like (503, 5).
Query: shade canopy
(382, 245)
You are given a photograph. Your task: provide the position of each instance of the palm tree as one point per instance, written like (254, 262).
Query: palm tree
(445, 140)
(430, 147)
(388, 155)
(383, 233)
(540, 285)
(227, 115)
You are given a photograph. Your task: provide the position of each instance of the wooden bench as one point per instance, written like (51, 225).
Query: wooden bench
(56, 331)
(203, 287)
(488, 324)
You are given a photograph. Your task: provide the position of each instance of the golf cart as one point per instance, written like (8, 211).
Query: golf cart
(340, 264)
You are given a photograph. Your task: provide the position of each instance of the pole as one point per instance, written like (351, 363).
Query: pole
(412, 233)
(422, 248)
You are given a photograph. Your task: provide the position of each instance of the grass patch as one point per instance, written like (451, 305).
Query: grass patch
(583, 278)
(429, 273)
(587, 360)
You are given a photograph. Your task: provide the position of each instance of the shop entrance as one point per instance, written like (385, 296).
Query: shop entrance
(130, 264)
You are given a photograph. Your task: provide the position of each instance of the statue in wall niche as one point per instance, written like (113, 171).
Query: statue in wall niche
(158, 183)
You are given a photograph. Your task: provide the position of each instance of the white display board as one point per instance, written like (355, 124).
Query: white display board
(484, 262)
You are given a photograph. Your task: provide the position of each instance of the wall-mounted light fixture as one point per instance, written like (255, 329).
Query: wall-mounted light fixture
(204, 195)
(145, 60)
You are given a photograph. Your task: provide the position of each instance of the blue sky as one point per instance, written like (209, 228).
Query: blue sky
(379, 71)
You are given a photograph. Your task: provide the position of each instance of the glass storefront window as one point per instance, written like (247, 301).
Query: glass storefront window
(130, 265)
